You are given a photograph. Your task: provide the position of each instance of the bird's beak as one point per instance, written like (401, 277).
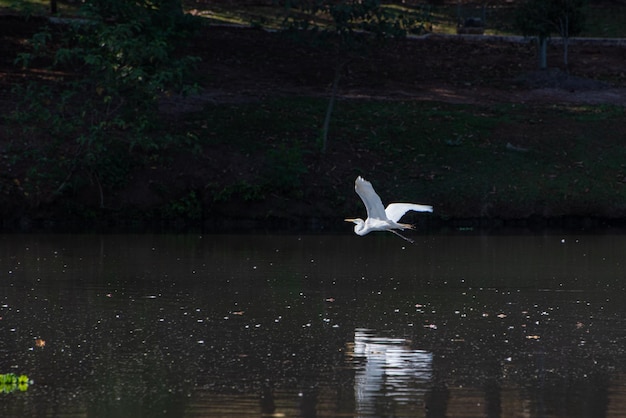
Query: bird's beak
(350, 220)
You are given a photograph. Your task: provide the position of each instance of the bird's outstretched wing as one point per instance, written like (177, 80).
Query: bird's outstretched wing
(395, 211)
(373, 204)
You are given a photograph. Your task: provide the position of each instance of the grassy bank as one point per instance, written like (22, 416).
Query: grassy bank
(262, 161)
(506, 161)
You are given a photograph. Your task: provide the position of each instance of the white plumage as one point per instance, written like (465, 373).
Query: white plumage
(380, 218)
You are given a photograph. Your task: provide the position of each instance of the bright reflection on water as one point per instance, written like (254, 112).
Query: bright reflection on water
(388, 367)
(313, 326)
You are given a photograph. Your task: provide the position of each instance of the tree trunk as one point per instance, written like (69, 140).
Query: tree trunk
(331, 105)
(543, 53)
(53, 7)
(565, 53)
(565, 35)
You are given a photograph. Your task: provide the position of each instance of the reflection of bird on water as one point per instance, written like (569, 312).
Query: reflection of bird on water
(379, 218)
(388, 371)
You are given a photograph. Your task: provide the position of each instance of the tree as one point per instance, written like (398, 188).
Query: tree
(122, 58)
(570, 22)
(542, 18)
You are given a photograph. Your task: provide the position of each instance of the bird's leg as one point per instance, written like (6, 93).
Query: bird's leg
(402, 236)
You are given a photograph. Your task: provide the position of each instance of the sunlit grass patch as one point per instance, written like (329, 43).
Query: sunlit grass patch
(602, 21)
(38, 7)
(26, 6)
(596, 112)
(262, 16)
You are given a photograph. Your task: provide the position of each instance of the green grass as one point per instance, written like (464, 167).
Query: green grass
(603, 21)
(606, 22)
(462, 155)
(37, 7)
(251, 126)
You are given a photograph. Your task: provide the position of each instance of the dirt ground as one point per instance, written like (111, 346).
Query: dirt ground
(248, 63)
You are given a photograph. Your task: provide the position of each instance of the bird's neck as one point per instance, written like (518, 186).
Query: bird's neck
(359, 227)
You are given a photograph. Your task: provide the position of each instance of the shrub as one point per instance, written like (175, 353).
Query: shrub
(121, 60)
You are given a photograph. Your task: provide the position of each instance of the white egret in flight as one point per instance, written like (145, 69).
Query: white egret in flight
(379, 218)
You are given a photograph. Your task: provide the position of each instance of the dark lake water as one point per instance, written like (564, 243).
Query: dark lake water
(313, 325)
